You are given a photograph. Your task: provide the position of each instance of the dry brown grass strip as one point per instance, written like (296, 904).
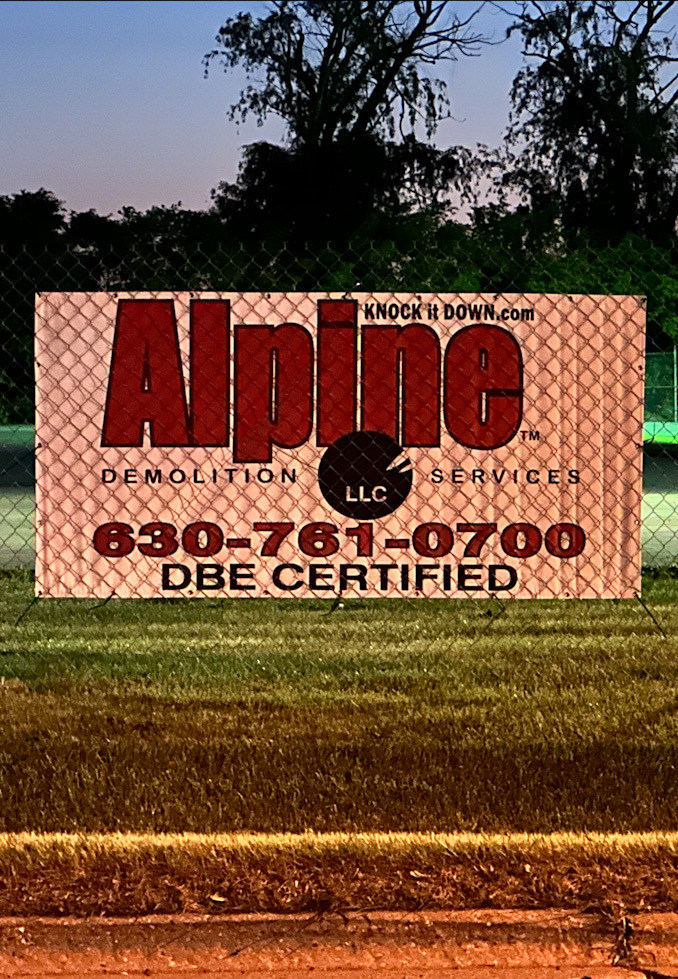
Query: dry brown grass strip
(126, 874)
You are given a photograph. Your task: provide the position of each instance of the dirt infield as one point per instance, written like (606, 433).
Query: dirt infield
(468, 945)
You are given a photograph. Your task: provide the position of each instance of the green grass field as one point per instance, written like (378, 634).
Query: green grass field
(213, 716)
(222, 716)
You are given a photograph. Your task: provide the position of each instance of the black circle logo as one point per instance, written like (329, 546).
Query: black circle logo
(364, 475)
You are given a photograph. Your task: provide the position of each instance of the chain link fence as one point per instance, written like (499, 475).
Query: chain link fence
(217, 715)
(454, 260)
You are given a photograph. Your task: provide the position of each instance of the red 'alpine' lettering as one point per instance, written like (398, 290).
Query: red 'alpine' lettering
(145, 383)
(337, 368)
(210, 375)
(273, 381)
(401, 376)
(483, 387)
(273, 390)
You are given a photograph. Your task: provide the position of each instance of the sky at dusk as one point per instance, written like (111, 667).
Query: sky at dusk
(106, 104)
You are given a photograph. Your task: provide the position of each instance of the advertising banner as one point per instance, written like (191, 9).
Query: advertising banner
(314, 445)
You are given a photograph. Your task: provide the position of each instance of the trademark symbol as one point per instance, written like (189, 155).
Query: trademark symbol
(529, 435)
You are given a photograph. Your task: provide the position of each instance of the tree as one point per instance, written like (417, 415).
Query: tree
(337, 66)
(31, 217)
(280, 191)
(351, 80)
(594, 122)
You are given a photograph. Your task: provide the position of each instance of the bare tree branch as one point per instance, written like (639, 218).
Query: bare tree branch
(332, 66)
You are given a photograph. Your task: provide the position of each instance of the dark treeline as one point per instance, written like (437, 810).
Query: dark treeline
(582, 196)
